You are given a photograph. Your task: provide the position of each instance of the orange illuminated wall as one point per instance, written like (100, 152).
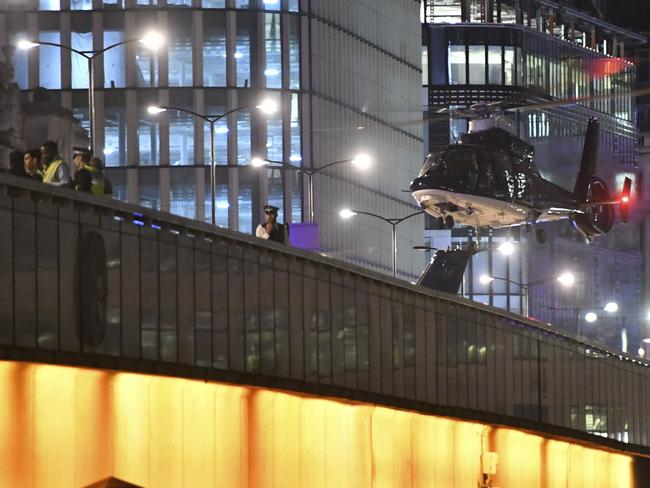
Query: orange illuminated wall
(69, 427)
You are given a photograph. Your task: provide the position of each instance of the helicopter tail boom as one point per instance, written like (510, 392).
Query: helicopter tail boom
(588, 161)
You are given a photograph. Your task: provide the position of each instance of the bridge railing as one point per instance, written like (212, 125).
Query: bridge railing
(96, 281)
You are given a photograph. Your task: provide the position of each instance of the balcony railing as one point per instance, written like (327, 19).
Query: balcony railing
(93, 281)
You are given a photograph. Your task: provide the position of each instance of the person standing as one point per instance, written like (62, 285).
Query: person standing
(271, 229)
(32, 164)
(56, 170)
(82, 176)
(98, 166)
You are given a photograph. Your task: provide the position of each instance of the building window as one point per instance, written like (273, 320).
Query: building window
(294, 5)
(180, 49)
(115, 141)
(495, 65)
(220, 142)
(149, 188)
(150, 3)
(276, 191)
(182, 192)
(114, 64)
(49, 4)
(243, 50)
(148, 140)
(214, 3)
(242, 3)
(214, 49)
(146, 67)
(21, 68)
(443, 12)
(296, 150)
(181, 138)
(181, 3)
(82, 41)
(457, 65)
(274, 147)
(272, 4)
(425, 65)
(49, 69)
(222, 204)
(243, 137)
(477, 65)
(81, 4)
(294, 52)
(245, 204)
(509, 65)
(273, 70)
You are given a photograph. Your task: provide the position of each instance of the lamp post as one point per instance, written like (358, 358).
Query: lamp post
(347, 213)
(566, 279)
(267, 107)
(361, 161)
(152, 40)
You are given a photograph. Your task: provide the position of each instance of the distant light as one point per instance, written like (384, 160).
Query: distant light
(259, 162)
(485, 279)
(591, 317)
(647, 317)
(221, 130)
(271, 72)
(238, 55)
(646, 340)
(362, 161)
(507, 248)
(360, 127)
(222, 205)
(295, 158)
(155, 110)
(641, 352)
(153, 40)
(566, 279)
(611, 307)
(625, 199)
(268, 106)
(346, 213)
(24, 44)
(271, 2)
(109, 150)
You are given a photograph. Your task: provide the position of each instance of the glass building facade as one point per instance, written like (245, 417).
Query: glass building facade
(218, 55)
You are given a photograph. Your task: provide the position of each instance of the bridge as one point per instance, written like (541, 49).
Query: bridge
(165, 352)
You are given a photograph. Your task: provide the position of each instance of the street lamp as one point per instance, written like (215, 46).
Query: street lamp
(361, 161)
(566, 279)
(152, 40)
(346, 213)
(267, 107)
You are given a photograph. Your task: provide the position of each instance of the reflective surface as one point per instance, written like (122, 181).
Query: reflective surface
(179, 293)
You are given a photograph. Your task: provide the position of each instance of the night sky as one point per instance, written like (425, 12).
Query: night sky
(633, 14)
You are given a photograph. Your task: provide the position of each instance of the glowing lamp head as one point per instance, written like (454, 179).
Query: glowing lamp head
(24, 44)
(566, 279)
(507, 248)
(362, 161)
(485, 279)
(611, 307)
(591, 317)
(268, 107)
(625, 199)
(153, 40)
(155, 110)
(259, 162)
(346, 213)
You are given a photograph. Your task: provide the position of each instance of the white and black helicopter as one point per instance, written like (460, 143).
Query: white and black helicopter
(489, 180)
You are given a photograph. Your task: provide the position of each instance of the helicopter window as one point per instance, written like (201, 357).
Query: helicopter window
(485, 172)
(462, 165)
(502, 166)
(434, 161)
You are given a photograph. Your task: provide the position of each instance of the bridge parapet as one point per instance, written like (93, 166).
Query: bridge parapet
(93, 281)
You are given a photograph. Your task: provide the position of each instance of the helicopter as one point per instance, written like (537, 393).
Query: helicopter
(489, 180)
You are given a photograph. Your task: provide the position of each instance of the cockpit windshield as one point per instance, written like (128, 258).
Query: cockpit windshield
(433, 161)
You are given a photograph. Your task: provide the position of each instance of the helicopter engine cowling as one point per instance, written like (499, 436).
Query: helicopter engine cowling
(597, 219)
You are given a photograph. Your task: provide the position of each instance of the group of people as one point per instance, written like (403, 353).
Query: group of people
(46, 165)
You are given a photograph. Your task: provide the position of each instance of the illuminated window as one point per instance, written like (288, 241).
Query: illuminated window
(509, 65)
(214, 49)
(81, 4)
(222, 204)
(82, 41)
(296, 151)
(182, 192)
(147, 2)
(276, 191)
(274, 137)
(149, 188)
(242, 3)
(49, 4)
(220, 139)
(180, 49)
(182, 3)
(243, 50)
(272, 4)
(146, 67)
(21, 69)
(425, 65)
(245, 204)
(214, 3)
(114, 63)
(49, 69)
(477, 65)
(115, 142)
(294, 52)
(457, 64)
(294, 5)
(273, 70)
(148, 140)
(495, 64)
(243, 137)
(444, 12)
(181, 138)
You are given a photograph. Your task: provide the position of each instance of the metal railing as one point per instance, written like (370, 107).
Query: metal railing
(89, 280)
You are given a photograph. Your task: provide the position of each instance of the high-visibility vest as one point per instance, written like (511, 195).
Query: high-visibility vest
(51, 174)
(97, 179)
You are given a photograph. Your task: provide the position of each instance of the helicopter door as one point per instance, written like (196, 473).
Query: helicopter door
(502, 167)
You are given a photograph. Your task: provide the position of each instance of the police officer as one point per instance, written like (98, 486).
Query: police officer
(88, 178)
(56, 171)
(271, 229)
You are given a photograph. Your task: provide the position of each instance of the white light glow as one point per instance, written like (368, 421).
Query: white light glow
(153, 40)
(591, 317)
(221, 130)
(485, 279)
(506, 248)
(109, 150)
(27, 44)
(611, 307)
(346, 213)
(362, 161)
(566, 279)
(258, 162)
(268, 106)
(155, 110)
(641, 352)
(295, 158)
(222, 205)
(238, 55)
(271, 72)
(646, 340)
